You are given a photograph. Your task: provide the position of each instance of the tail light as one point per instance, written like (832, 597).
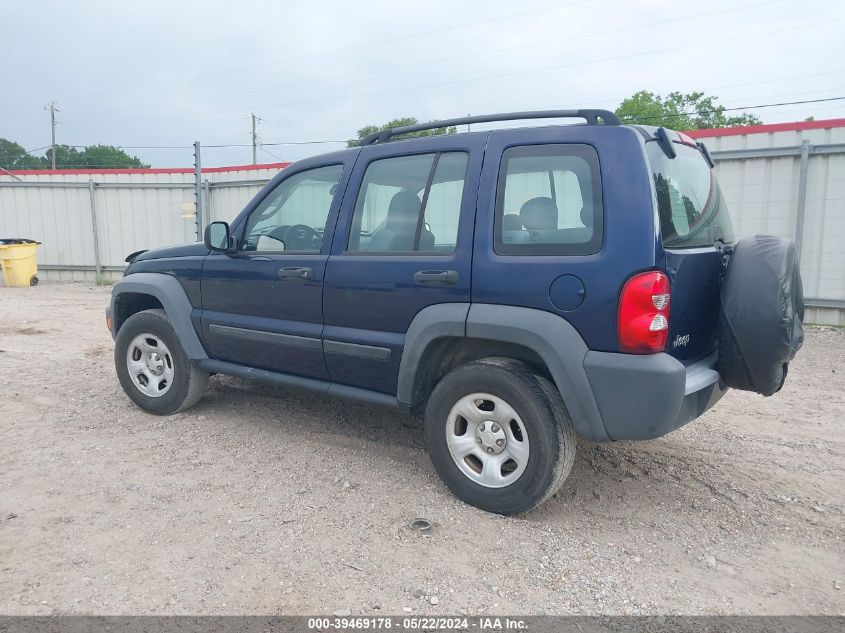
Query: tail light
(643, 319)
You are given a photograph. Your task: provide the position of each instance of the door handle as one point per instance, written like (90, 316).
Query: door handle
(436, 277)
(296, 272)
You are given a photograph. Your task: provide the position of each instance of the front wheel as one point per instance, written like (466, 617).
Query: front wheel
(499, 435)
(152, 367)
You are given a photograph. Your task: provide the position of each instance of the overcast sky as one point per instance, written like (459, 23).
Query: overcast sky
(156, 73)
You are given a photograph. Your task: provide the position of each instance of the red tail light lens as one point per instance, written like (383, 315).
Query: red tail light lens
(643, 319)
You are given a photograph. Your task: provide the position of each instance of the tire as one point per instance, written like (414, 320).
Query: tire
(760, 326)
(33, 281)
(536, 411)
(173, 382)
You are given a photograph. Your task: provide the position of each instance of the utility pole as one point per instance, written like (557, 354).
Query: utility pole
(198, 191)
(255, 120)
(53, 109)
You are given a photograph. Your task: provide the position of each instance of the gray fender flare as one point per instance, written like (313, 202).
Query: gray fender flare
(560, 346)
(431, 323)
(173, 299)
(550, 336)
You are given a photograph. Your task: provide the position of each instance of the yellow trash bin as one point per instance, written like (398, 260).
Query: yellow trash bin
(18, 260)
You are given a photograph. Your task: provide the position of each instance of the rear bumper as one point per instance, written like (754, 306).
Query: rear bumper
(643, 397)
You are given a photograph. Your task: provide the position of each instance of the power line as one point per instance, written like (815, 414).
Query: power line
(269, 153)
(284, 143)
(399, 38)
(754, 107)
(556, 66)
(442, 60)
(212, 146)
(601, 102)
(515, 73)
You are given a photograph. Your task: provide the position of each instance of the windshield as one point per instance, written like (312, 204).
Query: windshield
(692, 209)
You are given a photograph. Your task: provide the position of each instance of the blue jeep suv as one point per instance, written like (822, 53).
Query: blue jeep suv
(516, 287)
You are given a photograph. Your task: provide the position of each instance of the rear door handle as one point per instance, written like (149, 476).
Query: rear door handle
(296, 272)
(436, 277)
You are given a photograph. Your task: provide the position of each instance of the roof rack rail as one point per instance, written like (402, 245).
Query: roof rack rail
(593, 117)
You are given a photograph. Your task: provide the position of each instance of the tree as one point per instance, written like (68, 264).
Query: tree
(93, 157)
(678, 111)
(365, 131)
(109, 156)
(13, 156)
(67, 157)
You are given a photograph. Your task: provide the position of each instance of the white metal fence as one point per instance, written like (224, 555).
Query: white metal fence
(127, 212)
(782, 180)
(791, 182)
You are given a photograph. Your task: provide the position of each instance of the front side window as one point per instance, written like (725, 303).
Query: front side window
(409, 204)
(692, 210)
(292, 218)
(549, 201)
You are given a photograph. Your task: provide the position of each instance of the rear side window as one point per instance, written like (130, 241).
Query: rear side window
(410, 204)
(692, 209)
(549, 201)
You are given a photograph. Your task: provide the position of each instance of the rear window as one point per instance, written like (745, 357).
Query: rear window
(549, 201)
(692, 209)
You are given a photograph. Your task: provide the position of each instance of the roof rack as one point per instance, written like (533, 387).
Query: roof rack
(593, 117)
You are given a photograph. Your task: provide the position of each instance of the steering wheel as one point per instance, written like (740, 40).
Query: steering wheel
(277, 233)
(301, 237)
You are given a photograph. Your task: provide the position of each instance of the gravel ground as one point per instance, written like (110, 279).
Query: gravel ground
(261, 500)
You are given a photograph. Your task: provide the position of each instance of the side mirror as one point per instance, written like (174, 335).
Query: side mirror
(217, 236)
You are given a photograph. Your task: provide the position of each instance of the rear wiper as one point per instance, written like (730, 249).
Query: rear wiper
(665, 143)
(703, 148)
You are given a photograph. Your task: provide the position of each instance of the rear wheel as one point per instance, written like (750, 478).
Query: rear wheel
(499, 435)
(152, 366)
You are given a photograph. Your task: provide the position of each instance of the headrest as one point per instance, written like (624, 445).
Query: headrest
(404, 207)
(539, 214)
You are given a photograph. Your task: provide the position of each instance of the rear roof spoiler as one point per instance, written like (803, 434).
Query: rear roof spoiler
(665, 143)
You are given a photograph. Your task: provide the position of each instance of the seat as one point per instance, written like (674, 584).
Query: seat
(587, 217)
(400, 226)
(511, 222)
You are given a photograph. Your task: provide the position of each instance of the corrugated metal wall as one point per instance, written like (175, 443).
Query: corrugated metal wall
(760, 174)
(133, 211)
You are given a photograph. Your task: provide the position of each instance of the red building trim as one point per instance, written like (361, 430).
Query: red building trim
(767, 128)
(154, 170)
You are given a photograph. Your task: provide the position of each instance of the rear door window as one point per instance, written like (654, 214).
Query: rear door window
(692, 209)
(549, 201)
(410, 204)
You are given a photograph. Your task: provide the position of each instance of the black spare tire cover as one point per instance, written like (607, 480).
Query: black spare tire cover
(761, 319)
